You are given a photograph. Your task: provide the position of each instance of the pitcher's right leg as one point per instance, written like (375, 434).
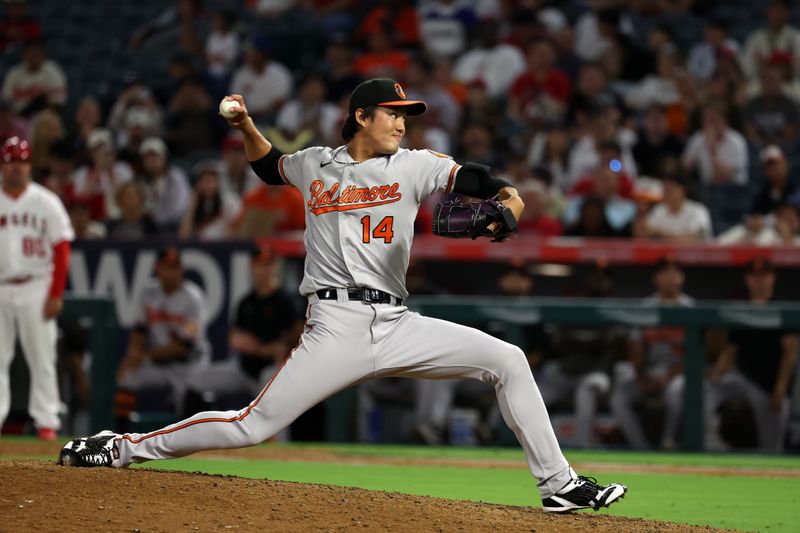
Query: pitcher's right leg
(334, 352)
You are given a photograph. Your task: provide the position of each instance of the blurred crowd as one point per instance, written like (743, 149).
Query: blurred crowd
(611, 118)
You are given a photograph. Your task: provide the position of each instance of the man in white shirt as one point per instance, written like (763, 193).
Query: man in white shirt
(717, 152)
(778, 36)
(496, 64)
(678, 218)
(35, 79)
(265, 84)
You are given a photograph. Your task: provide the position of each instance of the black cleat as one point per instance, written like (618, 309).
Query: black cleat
(97, 450)
(583, 493)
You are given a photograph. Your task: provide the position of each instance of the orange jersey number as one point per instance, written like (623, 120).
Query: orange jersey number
(382, 231)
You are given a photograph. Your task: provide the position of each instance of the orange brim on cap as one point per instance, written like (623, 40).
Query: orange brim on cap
(415, 107)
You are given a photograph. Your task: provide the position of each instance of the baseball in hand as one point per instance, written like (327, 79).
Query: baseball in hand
(226, 108)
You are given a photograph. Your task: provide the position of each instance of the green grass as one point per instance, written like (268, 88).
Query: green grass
(733, 501)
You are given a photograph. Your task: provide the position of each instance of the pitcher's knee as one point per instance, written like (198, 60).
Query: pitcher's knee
(514, 362)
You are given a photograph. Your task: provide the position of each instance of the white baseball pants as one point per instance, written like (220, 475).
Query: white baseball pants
(21, 311)
(347, 342)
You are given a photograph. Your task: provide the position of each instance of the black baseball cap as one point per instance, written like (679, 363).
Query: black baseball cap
(383, 92)
(378, 92)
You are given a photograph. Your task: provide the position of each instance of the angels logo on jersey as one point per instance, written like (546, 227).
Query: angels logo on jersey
(351, 197)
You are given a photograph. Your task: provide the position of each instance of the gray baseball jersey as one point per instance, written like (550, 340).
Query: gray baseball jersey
(178, 315)
(372, 203)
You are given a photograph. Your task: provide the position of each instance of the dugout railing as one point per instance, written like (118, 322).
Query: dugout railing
(100, 317)
(519, 312)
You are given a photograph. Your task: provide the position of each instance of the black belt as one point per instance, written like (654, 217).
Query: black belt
(368, 296)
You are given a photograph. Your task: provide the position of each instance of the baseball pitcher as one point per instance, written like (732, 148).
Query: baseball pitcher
(35, 233)
(361, 200)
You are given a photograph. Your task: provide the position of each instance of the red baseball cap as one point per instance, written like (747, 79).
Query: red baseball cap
(15, 149)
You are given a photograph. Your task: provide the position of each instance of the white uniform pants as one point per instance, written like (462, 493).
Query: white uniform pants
(348, 342)
(21, 312)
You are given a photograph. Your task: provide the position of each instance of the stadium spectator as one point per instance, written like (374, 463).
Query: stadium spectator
(542, 83)
(80, 213)
(778, 188)
(176, 27)
(421, 84)
(476, 145)
(166, 189)
(11, 124)
(168, 341)
(211, 209)
(221, 49)
(677, 218)
(603, 127)
(36, 82)
(592, 220)
(716, 46)
(270, 209)
(16, 27)
(548, 150)
(654, 369)
(132, 223)
(602, 184)
(480, 107)
(96, 181)
(757, 367)
(88, 117)
(190, 113)
(393, 17)
(60, 169)
(610, 155)
(263, 82)
(535, 220)
(445, 26)
(382, 58)
(140, 123)
(266, 326)
(46, 129)
(340, 78)
(591, 92)
(577, 365)
(717, 153)
(779, 227)
(778, 36)
(136, 99)
(493, 63)
(657, 150)
(236, 176)
(658, 88)
(772, 116)
(306, 120)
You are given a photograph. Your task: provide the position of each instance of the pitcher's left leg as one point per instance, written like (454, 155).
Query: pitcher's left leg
(426, 347)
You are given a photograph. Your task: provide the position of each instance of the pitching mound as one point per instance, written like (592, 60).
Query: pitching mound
(45, 497)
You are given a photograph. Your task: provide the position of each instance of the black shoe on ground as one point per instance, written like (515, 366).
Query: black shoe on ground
(97, 450)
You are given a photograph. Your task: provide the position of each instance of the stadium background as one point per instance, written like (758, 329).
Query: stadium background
(105, 48)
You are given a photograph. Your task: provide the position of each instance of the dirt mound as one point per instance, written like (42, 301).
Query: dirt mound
(45, 497)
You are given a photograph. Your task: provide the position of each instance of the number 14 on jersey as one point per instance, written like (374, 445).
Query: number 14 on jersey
(382, 231)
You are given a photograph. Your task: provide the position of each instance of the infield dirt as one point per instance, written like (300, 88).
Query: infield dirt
(40, 496)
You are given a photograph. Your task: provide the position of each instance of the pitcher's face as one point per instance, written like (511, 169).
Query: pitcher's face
(384, 130)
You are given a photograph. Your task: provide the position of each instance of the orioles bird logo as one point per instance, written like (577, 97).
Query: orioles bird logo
(399, 91)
